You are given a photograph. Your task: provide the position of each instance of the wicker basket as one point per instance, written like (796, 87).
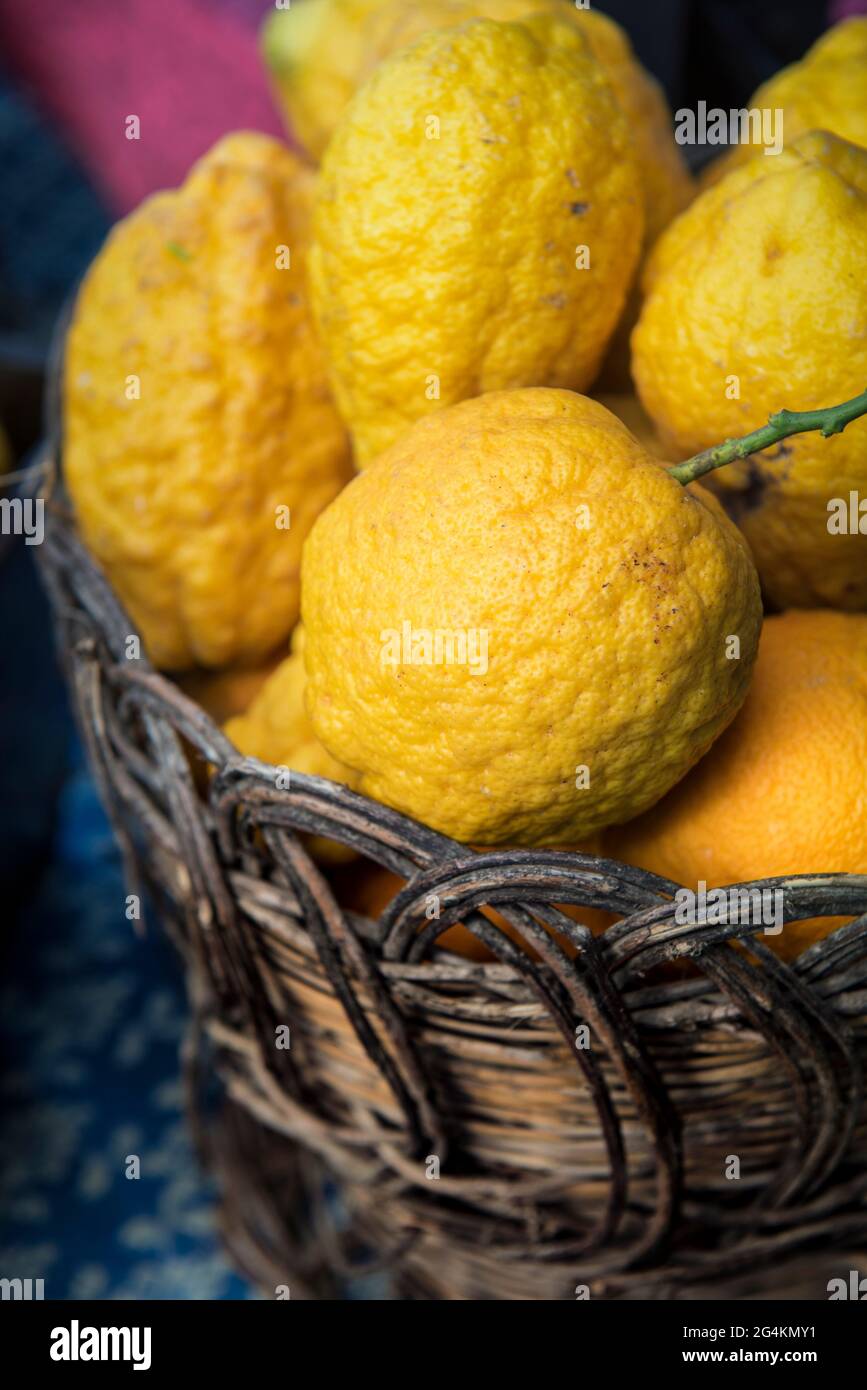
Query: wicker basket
(558, 1166)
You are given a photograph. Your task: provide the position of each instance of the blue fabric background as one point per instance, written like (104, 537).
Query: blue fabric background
(91, 1015)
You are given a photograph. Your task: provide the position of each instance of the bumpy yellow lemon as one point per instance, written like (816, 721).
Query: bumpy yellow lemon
(630, 412)
(478, 220)
(826, 90)
(276, 729)
(520, 628)
(201, 440)
(321, 51)
(225, 694)
(784, 791)
(757, 299)
(318, 53)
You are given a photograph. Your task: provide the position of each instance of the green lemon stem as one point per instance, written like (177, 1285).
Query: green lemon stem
(832, 420)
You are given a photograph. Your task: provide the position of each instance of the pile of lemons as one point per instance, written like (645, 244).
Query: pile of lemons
(382, 407)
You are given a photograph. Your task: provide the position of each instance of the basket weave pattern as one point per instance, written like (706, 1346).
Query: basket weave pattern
(559, 1164)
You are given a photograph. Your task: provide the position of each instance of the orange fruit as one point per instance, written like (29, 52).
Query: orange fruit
(784, 790)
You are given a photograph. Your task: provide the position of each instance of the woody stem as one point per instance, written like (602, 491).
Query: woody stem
(832, 420)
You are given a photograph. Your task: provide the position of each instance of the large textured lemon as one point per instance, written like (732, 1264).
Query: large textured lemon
(201, 440)
(826, 90)
(784, 791)
(321, 51)
(275, 728)
(629, 410)
(757, 299)
(478, 220)
(519, 627)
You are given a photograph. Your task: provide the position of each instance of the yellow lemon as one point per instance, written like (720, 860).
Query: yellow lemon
(318, 52)
(520, 628)
(201, 441)
(478, 220)
(826, 90)
(757, 299)
(225, 694)
(784, 791)
(321, 51)
(275, 728)
(630, 412)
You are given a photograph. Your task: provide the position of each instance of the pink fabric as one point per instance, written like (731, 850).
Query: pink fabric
(842, 9)
(189, 69)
